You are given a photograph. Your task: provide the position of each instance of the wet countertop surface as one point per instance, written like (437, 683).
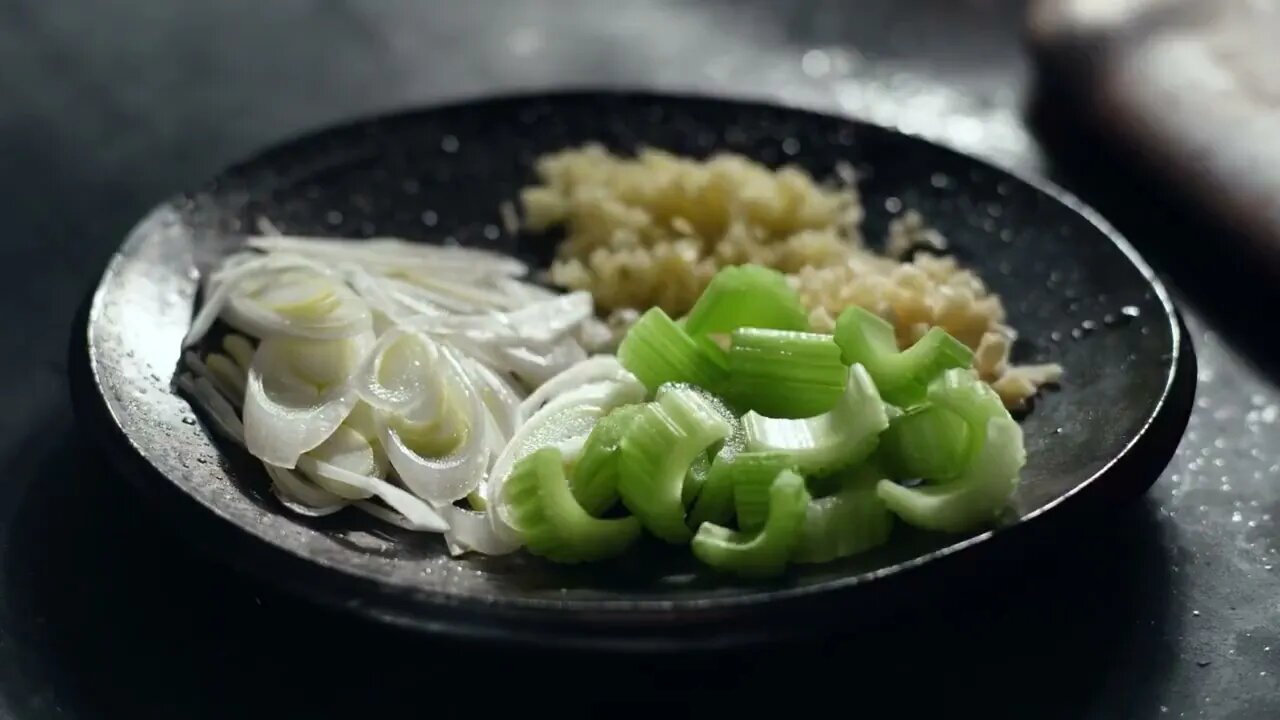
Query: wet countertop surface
(1172, 611)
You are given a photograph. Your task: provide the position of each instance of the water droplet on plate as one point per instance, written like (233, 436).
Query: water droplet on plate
(1130, 311)
(449, 144)
(791, 146)
(430, 218)
(188, 421)
(333, 217)
(940, 181)
(893, 205)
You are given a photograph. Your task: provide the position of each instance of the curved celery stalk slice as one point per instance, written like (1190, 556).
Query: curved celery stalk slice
(746, 296)
(657, 450)
(994, 458)
(752, 477)
(784, 374)
(694, 479)
(853, 520)
(902, 376)
(657, 351)
(765, 552)
(595, 475)
(927, 441)
(843, 436)
(551, 523)
(708, 491)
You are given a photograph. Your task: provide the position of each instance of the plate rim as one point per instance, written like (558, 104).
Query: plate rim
(751, 598)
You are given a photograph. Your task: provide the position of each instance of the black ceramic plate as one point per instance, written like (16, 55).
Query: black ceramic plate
(1078, 293)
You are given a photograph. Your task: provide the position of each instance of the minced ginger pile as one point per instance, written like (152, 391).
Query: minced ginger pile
(654, 229)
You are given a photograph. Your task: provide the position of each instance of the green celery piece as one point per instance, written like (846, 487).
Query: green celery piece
(656, 453)
(994, 458)
(764, 552)
(595, 474)
(746, 296)
(551, 524)
(752, 477)
(657, 351)
(852, 520)
(843, 436)
(926, 441)
(695, 479)
(714, 501)
(783, 373)
(902, 376)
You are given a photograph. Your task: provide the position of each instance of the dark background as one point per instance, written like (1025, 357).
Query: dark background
(1169, 610)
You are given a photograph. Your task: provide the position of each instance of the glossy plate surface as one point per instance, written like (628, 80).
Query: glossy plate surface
(1076, 291)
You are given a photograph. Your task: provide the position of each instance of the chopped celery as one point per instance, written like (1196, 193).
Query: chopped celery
(658, 351)
(993, 459)
(551, 523)
(695, 478)
(714, 503)
(852, 520)
(595, 475)
(783, 373)
(657, 450)
(926, 441)
(901, 376)
(843, 436)
(764, 552)
(746, 296)
(752, 475)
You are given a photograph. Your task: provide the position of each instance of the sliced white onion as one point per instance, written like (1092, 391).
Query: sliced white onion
(593, 369)
(286, 415)
(346, 450)
(500, 396)
(567, 418)
(403, 374)
(452, 477)
(473, 531)
(346, 316)
(535, 368)
(222, 284)
(300, 496)
(537, 326)
(422, 515)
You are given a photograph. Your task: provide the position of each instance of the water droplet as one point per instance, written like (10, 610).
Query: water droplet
(492, 232)
(893, 205)
(791, 146)
(1088, 326)
(1236, 516)
(815, 63)
(1204, 663)
(201, 460)
(188, 421)
(449, 144)
(1195, 613)
(1003, 188)
(1057, 431)
(1130, 311)
(333, 217)
(940, 181)
(1055, 336)
(1109, 320)
(1077, 333)
(1006, 235)
(430, 218)
(995, 210)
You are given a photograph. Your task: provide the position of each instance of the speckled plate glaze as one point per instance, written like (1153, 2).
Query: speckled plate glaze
(1078, 292)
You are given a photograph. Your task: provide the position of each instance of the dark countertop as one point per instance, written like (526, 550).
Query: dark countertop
(109, 107)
